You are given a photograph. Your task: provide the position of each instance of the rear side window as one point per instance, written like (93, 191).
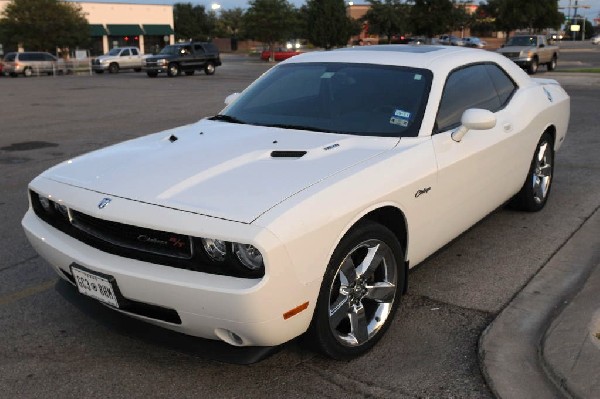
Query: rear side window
(49, 57)
(198, 49)
(483, 86)
(134, 51)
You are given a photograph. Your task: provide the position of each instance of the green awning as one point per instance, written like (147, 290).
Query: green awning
(97, 30)
(124, 30)
(158, 30)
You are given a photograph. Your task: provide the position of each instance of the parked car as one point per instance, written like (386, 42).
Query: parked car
(30, 63)
(279, 54)
(596, 39)
(449, 40)
(530, 51)
(185, 57)
(474, 42)
(299, 208)
(117, 59)
(417, 40)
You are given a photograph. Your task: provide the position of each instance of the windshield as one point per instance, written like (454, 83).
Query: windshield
(522, 41)
(114, 51)
(348, 98)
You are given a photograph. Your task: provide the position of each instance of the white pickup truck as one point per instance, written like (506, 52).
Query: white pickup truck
(118, 58)
(529, 51)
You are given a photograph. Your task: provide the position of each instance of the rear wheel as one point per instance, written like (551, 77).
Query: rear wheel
(113, 68)
(209, 69)
(360, 292)
(536, 189)
(173, 70)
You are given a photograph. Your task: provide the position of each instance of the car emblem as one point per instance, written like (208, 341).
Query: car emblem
(104, 202)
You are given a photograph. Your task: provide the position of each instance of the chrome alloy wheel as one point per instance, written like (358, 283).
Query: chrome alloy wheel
(542, 173)
(362, 293)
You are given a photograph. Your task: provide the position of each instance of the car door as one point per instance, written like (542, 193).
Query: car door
(474, 175)
(199, 56)
(125, 59)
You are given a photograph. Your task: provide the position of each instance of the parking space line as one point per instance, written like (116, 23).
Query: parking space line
(29, 291)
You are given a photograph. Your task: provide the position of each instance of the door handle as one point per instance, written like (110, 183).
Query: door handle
(507, 127)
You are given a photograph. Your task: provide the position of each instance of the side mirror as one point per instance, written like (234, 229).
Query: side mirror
(231, 98)
(474, 119)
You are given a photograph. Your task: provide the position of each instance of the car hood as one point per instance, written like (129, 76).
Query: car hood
(230, 171)
(106, 57)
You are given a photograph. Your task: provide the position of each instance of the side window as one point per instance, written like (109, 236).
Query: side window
(198, 49)
(134, 51)
(125, 53)
(505, 87)
(469, 87)
(49, 57)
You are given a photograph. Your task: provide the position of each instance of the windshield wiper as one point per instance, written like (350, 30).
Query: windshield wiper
(226, 118)
(300, 127)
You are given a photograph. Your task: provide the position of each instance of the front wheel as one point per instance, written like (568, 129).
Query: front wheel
(533, 67)
(173, 70)
(360, 292)
(552, 64)
(113, 68)
(536, 189)
(27, 72)
(209, 69)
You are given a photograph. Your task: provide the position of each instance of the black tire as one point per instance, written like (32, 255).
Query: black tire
(533, 66)
(27, 72)
(189, 73)
(173, 70)
(535, 191)
(99, 71)
(113, 68)
(348, 320)
(552, 64)
(210, 68)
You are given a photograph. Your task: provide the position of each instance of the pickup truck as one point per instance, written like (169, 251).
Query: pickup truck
(118, 58)
(185, 57)
(529, 51)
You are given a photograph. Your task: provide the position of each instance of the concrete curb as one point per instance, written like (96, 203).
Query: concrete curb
(510, 349)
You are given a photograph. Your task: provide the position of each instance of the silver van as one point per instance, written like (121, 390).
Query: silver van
(30, 63)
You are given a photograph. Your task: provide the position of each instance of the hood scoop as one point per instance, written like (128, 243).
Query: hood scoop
(288, 154)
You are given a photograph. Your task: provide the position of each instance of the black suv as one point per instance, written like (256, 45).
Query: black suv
(183, 57)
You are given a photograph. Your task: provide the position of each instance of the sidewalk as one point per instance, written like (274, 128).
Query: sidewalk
(544, 343)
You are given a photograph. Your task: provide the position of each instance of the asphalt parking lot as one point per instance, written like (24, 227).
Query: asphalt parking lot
(50, 347)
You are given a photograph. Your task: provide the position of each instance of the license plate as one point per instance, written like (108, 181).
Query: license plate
(95, 286)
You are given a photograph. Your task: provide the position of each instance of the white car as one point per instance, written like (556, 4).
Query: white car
(302, 205)
(596, 39)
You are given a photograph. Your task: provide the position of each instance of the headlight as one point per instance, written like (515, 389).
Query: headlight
(243, 259)
(161, 61)
(103, 61)
(45, 203)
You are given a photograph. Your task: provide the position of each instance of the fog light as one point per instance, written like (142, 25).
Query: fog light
(248, 255)
(216, 249)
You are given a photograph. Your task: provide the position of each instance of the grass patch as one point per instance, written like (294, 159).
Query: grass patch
(581, 70)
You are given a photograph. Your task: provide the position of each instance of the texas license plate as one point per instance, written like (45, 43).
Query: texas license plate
(95, 286)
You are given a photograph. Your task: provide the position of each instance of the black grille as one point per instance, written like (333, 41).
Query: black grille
(159, 247)
(133, 237)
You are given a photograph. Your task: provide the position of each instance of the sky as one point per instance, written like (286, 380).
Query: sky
(590, 13)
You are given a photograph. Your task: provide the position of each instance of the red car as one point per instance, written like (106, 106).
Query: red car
(280, 54)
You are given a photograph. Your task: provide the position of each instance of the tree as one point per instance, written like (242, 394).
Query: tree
(432, 17)
(193, 22)
(44, 25)
(525, 14)
(270, 21)
(231, 23)
(388, 18)
(327, 24)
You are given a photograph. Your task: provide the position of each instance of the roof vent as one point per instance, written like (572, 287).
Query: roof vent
(288, 154)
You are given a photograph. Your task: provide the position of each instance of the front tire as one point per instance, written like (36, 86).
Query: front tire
(113, 68)
(27, 72)
(209, 69)
(552, 64)
(533, 67)
(173, 70)
(360, 292)
(536, 189)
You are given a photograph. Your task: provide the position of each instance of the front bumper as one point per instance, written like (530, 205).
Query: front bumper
(209, 306)
(154, 68)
